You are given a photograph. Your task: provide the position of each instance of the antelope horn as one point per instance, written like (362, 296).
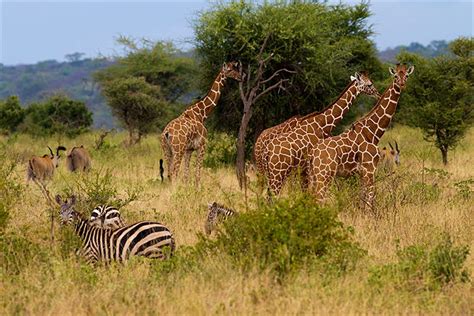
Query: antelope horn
(51, 151)
(390, 145)
(396, 146)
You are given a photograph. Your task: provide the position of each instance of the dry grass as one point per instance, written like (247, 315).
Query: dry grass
(63, 285)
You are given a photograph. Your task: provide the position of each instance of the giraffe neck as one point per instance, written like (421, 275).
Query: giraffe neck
(374, 123)
(328, 118)
(203, 108)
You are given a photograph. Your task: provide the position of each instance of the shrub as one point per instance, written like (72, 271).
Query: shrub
(11, 114)
(220, 150)
(464, 188)
(97, 187)
(421, 268)
(10, 189)
(287, 235)
(16, 252)
(58, 114)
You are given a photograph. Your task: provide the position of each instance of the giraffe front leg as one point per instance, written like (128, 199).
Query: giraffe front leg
(187, 158)
(367, 195)
(199, 161)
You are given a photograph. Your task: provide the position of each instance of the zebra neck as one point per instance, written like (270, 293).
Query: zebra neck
(83, 229)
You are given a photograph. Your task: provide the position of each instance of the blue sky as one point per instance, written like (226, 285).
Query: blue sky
(33, 31)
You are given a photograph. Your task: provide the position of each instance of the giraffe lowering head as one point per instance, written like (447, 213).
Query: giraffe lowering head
(232, 70)
(365, 85)
(401, 73)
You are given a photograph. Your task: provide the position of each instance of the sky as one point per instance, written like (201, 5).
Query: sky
(33, 30)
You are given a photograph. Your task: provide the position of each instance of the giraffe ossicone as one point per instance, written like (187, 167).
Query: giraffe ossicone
(288, 151)
(355, 150)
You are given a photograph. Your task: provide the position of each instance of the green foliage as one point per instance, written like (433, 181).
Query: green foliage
(421, 268)
(11, 114)
(285, 236)
(325, 44)
(136, 103)
(465, 188)
(32, 82)
(10, 189)
(98, 187)
(144, 87)
(16, 252)
(57, 115)
(439, 98)
(220, 150)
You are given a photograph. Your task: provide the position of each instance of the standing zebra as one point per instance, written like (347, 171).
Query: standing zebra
(216, 214)
(147, 239)
(105, 216)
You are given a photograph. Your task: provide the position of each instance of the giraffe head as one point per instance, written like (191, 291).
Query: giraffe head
(401, 73)
(232, 70)
(365, 85)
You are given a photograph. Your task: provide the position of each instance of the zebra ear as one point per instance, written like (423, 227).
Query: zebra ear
(58, 199)
(73, 200)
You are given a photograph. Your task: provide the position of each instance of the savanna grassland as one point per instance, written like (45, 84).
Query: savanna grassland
(415, 248)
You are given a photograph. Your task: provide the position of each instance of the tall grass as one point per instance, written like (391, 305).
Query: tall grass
(424, 231)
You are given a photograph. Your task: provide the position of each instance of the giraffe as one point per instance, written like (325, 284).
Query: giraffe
(355, 150)
(187, 132)
(288, 151)
(266, 136)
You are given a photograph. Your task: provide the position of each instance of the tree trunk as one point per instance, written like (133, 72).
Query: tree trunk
(240, 163)
(444, 154)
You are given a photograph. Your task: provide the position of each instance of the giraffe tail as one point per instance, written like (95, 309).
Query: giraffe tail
(162, 170)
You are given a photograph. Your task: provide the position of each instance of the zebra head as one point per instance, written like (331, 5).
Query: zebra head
(213, 210)
(67, 212)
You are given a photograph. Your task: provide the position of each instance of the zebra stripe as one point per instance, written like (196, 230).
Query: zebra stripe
(216, 214)
(108, 217)
(147, 239)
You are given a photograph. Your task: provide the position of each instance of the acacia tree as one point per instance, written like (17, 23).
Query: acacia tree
(325, 44)
(143, 87)
(11, 114)
(440, 96)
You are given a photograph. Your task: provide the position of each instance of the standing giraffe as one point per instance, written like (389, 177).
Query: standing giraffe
(355, 151)
(289, 151)
(187, 133)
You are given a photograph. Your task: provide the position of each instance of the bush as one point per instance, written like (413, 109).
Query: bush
(59, 114)
(10, 189)
(16, 252)
(287, 235)
(421, 268)
(11, 114)
(97, 187)
(220, 150)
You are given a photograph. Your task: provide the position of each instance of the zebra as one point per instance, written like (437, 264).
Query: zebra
(216, 214)
(105, 216)
(145, 238)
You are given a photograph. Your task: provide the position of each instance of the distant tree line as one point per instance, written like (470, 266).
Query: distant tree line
(56, 115)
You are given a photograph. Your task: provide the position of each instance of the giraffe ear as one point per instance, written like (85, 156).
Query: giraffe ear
(410, 70)
(353, 78)
(392, 71)
(224, 66)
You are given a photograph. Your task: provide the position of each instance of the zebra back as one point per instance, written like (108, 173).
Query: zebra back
(105, 216)
(217, 213)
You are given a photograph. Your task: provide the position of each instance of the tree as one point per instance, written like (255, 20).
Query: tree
(153, 77)
(439, 98)
(11, 114)
(324, 44)
(58, 114)
(136, 103)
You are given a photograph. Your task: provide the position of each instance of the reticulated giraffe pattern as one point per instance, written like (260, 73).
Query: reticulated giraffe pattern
(187, 132)
(288, 151)
(266, 136)
(356, 151)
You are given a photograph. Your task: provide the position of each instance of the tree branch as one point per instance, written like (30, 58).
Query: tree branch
(279, 84)
(276, 74)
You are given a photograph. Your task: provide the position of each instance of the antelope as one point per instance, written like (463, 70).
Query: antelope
(389, 157)
(41, 169)
(78, 159)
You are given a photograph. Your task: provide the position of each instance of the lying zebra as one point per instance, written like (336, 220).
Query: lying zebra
(216, 214)
(108, 217)
(147, 239)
